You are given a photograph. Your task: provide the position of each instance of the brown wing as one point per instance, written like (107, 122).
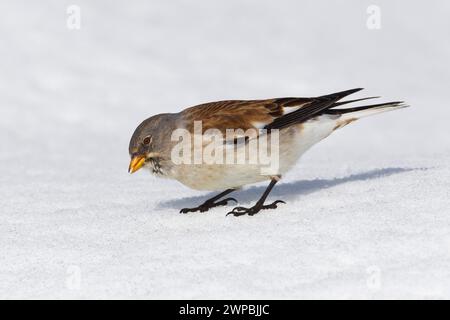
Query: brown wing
(241, 114)
(268, 114)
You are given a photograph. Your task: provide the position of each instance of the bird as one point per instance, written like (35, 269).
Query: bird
(298, 122)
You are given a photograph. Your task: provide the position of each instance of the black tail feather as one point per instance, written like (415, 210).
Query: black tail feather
(351, 101)
(338, 95)
(348, 110)
(314, 108)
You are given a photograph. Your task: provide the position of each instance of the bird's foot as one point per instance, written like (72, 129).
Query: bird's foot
(208, 205)
(240, 211)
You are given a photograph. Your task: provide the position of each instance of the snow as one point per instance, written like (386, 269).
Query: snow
(367, 213)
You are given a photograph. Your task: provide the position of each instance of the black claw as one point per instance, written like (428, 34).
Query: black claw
(236, 214)
(208, 205)
(273, 205)
(240, 211)
(223, 202)
(230, 199)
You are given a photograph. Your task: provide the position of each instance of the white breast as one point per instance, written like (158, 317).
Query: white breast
(294, 141)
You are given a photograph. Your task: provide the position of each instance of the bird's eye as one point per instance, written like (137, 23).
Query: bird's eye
(147, 140)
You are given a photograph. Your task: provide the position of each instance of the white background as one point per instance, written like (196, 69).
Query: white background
(367, 213)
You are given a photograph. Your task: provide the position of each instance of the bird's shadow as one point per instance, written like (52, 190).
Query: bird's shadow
(286, 191)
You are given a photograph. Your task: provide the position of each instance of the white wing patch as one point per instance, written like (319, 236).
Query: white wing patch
(259, 125)
(287, 110)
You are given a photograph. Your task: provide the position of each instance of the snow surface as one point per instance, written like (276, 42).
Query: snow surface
(367, 213)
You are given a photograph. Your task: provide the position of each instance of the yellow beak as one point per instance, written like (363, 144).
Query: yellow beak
(136, 163)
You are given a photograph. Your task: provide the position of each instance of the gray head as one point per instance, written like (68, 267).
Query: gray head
(147, 142)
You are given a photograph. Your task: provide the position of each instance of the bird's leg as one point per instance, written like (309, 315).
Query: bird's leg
(239, 211)
(211, 203)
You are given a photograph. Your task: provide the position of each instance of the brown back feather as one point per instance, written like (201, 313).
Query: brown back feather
(240, 114)
(268, 114)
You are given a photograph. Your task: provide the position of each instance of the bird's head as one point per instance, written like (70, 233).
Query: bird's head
(143, 147)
